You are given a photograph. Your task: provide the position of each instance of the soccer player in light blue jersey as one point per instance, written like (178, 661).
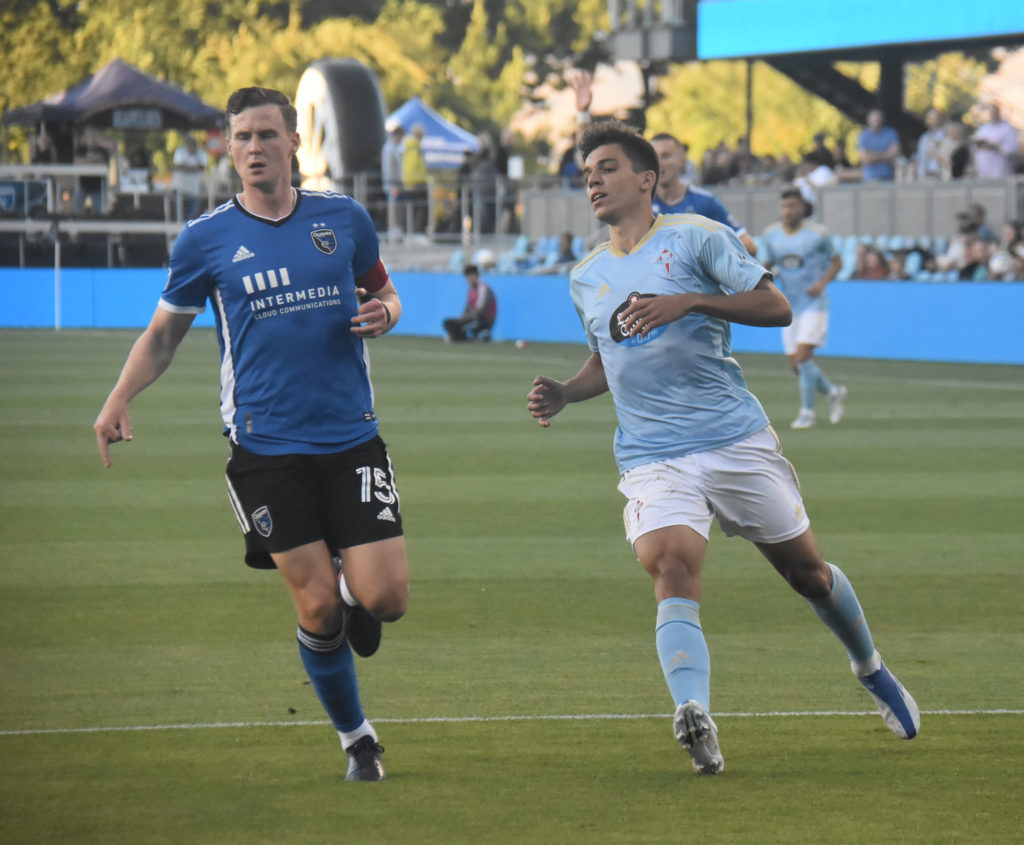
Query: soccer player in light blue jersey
(297, 288)
(803, 260)
(693, 443)
(675, 196)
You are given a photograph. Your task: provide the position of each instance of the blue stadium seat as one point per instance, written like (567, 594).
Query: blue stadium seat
(455, 260)
(913, 263)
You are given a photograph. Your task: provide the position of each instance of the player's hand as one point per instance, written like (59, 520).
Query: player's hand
(582, 82)
(545, 400)
(815, 290)
(372, 319)
(112, 426)
(645, 314)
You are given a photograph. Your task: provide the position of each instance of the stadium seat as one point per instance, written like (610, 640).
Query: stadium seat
(913, 263)
(455, 260)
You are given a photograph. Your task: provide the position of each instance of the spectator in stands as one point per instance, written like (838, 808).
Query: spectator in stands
(674, 196)
(933, 148)
(414, 178)
(955, 257)
(485, 192)
(43, 150)
(975, 268)
(89, 191)
(994, 144)
(959, 151)
(977, 212)
(871, 263)
(566, 254)
(391, 161)
(189, 167)
(1006, 263)
(477, 318)
(898, 267)
(820, 155)
(879, 147)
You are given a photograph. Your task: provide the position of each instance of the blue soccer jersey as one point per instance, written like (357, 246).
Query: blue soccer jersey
(294, 378)
(698, 201)
(798, 260)
(678, 390)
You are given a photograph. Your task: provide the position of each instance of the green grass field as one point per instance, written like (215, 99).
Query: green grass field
(152, 691)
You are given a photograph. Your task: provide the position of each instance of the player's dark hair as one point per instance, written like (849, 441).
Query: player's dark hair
(636, 148)
(471, 269)
(791, 193)
(667, 136)
(247, 98)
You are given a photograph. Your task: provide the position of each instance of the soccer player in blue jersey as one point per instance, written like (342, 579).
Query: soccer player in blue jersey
(693, 443)
(297, 287)
(675, 196)
(803, 260)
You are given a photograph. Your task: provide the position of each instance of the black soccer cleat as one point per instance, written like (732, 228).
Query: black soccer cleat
(364, 760)
(362, 630)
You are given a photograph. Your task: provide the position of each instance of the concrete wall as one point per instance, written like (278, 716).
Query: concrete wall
(967, 322)
(890, 208)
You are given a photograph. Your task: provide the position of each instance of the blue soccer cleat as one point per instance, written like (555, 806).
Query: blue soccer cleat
(897, 706)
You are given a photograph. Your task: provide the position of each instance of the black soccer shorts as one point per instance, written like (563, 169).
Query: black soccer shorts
(282, 501)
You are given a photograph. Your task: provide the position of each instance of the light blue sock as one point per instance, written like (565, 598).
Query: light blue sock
(332, 671)
(683, 652)
(806, 373)
(842, 614)
(822, 382)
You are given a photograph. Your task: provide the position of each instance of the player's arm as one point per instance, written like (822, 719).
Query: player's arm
(763, 305)
(748, 242)
(380, 308)
(834, 266)
(549, 396)
(150, 356)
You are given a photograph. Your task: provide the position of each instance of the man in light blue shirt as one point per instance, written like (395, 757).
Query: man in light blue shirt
(693, 443)
(879, 147)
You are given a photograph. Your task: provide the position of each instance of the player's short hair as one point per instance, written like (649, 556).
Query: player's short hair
(667, 136)
(791, 193)
(637, 148)
(248, 98)
(471, 270)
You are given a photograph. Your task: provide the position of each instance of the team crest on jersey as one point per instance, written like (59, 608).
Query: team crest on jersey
(261, 519)
(665, 257)
(617, 328)
(325, 240)
(791, 262)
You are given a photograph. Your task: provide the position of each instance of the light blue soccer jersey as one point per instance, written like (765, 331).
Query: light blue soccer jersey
(799, 259)
(698, 201)
(294, 378)
(678, 390)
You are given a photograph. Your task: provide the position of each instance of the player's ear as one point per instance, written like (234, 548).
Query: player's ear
(647, 181)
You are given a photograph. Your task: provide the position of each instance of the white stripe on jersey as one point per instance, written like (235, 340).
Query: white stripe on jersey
(227, 369)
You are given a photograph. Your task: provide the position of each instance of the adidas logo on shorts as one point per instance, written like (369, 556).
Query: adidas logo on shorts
(387, 515)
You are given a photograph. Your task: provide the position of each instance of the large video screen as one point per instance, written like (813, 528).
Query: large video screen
(735, 28)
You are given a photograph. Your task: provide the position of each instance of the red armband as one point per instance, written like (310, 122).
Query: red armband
(375, 278)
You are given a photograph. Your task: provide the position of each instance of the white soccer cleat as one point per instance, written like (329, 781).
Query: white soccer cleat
(836, 398)
(805, 419)
(897, 706)
(696, 731)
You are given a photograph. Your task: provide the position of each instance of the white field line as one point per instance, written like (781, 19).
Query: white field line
(195, 726)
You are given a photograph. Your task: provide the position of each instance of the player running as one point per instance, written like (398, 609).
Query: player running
(297, 286)
(803, 260)
(693, 443)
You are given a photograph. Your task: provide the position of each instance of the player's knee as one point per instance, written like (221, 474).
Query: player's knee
(389, 603)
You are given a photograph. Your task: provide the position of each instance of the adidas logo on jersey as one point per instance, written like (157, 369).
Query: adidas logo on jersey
(386, 515)
(241, 254)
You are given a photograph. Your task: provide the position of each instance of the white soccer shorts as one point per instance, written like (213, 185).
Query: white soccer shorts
(749, 487)
(809, 327)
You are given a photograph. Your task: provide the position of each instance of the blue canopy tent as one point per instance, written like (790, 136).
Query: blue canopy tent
(443, 142)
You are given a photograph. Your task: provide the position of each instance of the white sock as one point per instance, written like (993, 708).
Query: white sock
(350, 738)
(862, 668)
